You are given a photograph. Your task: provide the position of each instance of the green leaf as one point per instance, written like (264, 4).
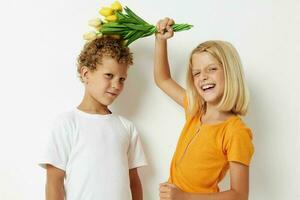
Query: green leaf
(129, 34)
(113, 25)
(131, 13)
(150, 32)
(138, 27)
(131, 27)
(134, 37)
(119, 15)
(127, 20)
(181, 27)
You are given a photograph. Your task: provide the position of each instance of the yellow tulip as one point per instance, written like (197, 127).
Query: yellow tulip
(117, 37)
(116, 6)
(124, 42)
(99, 35)
(96, 23)
(90, 36)
(111, 18)
(106, 11)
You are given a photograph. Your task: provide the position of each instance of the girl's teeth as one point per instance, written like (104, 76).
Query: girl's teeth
(207, 86)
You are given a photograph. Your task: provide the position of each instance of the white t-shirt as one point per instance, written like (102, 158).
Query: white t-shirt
(96, 152)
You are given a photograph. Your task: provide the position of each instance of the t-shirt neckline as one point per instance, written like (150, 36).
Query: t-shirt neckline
(93, 115)
(218, 123)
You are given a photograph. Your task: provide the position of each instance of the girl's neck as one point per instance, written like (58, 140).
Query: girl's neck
(213, 115)
(92, 106)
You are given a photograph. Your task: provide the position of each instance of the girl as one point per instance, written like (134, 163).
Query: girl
(214, 138)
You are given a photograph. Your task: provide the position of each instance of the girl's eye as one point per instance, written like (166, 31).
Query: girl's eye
(212, 69)
(196, 74)
(108, 75)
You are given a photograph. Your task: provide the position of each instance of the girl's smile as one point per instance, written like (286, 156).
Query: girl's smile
(208, 77)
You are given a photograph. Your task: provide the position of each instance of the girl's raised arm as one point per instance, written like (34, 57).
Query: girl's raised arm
(162, 75)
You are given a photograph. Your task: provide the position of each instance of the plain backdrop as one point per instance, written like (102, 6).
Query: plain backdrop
(39, 43)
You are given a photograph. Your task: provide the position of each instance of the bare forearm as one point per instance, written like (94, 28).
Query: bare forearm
(135, 185)
(226, 195)
(55, 191)
(137, 191)
(161, 64)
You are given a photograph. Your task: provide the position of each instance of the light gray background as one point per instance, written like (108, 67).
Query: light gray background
(40, 41)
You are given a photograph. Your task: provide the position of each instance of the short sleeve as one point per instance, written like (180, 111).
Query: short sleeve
(58, 146)
(136, 155)
(239, 146)
(185, 106)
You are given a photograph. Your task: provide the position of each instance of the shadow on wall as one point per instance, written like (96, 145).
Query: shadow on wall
(258, 119)
(136, 85)
(131, 102)
(137, 94)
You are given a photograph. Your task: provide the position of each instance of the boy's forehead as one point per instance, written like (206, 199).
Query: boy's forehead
(108, 59)
(112, 64)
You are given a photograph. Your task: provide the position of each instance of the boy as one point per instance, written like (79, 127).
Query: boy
(93, 154)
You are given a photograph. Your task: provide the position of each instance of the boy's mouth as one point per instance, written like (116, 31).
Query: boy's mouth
(112, 94)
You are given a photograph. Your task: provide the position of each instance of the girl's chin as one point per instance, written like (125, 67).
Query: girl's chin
(213, 101)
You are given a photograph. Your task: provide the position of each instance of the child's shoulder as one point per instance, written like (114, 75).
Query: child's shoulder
(129, 126)
(65, 118)
(236, 122)
(66, 115)
(126, 122)
(237, 125)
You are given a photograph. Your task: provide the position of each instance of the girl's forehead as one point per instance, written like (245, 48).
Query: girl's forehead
(203, 60)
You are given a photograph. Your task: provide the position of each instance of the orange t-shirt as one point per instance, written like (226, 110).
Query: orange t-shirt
(203, 152)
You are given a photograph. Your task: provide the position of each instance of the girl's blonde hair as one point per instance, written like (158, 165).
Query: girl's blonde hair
(236, 95)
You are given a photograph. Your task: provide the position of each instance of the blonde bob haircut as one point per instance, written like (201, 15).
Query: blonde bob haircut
(236, 95)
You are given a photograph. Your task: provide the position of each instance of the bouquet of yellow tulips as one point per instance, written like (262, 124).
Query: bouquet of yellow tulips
(128, 26)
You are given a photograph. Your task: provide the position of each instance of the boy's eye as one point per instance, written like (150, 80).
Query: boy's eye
(122, 80)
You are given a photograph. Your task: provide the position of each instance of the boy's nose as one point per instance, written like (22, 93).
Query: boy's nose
(116, 86)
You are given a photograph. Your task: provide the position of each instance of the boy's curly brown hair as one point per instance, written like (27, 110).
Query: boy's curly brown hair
(95, 50)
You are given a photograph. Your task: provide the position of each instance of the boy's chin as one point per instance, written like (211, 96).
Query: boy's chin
(108, 102)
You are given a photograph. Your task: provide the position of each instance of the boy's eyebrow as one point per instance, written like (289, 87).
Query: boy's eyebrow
(110, 72)
(125, 76)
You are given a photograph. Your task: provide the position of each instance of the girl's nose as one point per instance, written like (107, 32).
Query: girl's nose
(204, 77)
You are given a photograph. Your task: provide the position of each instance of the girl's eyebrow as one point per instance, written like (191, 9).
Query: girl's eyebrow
(205, 67)
(211, 64)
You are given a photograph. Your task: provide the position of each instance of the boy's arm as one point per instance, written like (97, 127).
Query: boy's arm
(55, 183)
(135, 185)
(162, 75)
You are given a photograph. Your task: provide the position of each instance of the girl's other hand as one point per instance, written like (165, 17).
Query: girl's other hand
(164, 29)
(168, 191)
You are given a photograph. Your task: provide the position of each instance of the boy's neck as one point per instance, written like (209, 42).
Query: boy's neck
(90, 105)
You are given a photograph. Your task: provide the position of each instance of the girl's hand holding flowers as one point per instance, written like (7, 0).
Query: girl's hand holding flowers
(164, 28)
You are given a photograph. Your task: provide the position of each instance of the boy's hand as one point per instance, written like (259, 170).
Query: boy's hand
(164, 28)
(169, 191)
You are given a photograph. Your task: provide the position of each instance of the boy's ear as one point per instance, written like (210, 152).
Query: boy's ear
(84, 73)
